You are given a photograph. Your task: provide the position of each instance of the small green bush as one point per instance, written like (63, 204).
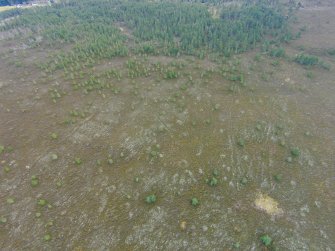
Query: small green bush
(171, 74)
(277, 52)
(147, 49)
(307, 60)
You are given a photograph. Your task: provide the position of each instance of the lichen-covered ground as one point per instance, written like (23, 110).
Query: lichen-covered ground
(259, 156)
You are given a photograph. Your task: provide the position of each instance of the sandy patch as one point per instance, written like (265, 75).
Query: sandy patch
(267, 204)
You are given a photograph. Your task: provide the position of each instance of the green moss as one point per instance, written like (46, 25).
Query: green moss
(282, 143)
(77, 161)
(9, 149)
(278, 177)
(2, 149)
(257, 57)
(153, 154)
(308, 134)
(310, 75)
(10, 200)
(295, 152)
(244, 181)
(194, 202)
(3, 219)
(34, 181)
(47, 237)
(150, 199)
(236, 245)
(275, 63)
(54, 135)
(213, 182)
(331, 52)
(41, 202)
(266, 240)
(183, 87)
(7, 169)
(54, 157)
(241, 142)
(325, 65)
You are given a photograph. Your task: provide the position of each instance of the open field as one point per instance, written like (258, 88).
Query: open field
(4, 8)
(109, 141)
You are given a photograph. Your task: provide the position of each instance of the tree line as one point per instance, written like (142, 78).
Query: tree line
(164, 27)
(10, 2)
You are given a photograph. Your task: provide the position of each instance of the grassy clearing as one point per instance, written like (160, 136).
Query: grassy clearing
(4, 8)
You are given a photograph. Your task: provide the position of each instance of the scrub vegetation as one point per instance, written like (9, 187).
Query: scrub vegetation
(164, 125)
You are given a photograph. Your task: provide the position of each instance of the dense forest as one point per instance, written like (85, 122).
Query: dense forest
(173, 27)
(10, 2)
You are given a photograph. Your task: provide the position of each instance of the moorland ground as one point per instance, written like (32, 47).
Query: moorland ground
(107, 154)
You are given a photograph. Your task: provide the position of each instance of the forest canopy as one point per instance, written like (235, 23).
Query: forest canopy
(169, 27)
(10, 2)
